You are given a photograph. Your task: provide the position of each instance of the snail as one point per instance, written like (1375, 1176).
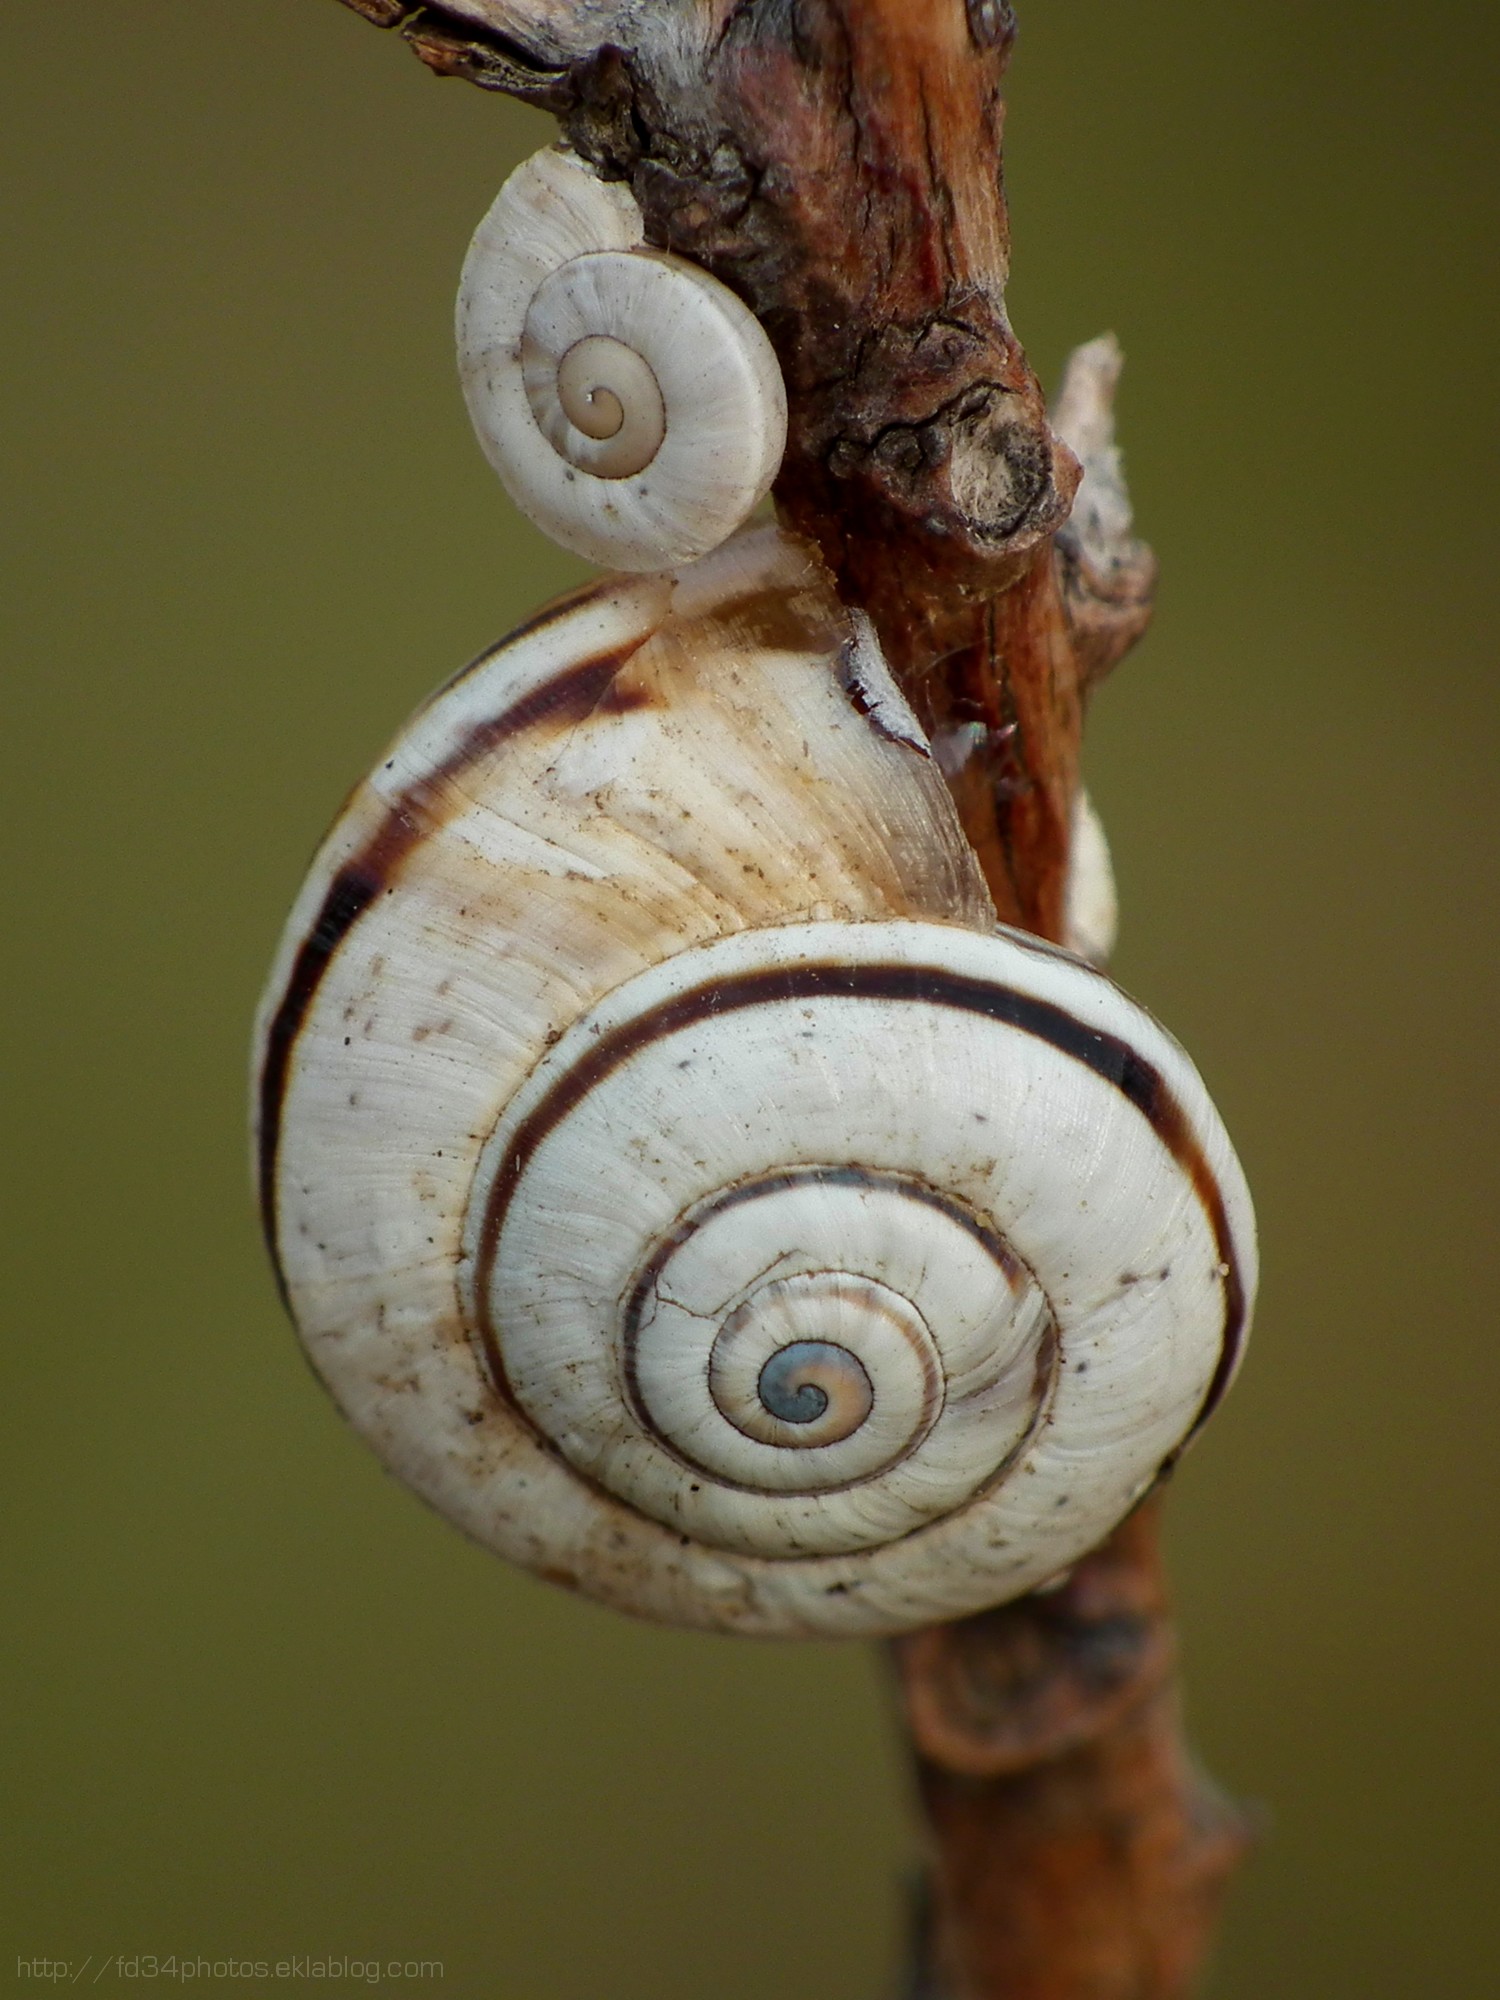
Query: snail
(678, 1176)
(631, 404)
(672, 1168)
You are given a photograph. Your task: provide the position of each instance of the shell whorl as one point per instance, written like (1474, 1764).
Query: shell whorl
(680, 1180)
(631, 404)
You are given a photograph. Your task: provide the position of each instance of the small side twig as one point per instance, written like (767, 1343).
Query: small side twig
(1108, 577)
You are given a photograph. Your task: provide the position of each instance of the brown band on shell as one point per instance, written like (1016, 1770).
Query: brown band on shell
(550, 613)
(1137, 1080)
(568, 697)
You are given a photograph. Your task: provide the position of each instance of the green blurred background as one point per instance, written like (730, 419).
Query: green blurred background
(258, 1700)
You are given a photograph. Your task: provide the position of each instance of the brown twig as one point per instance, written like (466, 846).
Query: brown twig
(837, 162)
(1076, 1849)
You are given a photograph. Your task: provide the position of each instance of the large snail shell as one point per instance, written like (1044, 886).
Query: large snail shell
(631, 404)
(678, 1178)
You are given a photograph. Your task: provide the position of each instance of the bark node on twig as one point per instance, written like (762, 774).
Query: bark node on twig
(837, 163)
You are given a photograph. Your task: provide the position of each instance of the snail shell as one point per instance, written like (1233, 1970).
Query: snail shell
(631, 404)
(676, 1175)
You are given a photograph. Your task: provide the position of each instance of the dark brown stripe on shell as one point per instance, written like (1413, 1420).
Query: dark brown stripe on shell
(550, 613)
(569, 696)
(993, 1243)
(1110, 1058)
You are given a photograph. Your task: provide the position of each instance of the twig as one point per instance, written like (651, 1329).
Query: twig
(837, 162)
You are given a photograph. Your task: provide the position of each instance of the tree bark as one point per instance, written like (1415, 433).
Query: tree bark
(838, 164)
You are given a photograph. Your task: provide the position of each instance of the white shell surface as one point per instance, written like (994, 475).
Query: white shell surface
(641, 1026)
(1091, 908)
(558, 265)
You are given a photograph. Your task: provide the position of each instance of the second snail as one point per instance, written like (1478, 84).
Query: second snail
(673, 1169)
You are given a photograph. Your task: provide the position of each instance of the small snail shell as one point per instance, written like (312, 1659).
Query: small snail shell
(630, 403)
(677, 1176)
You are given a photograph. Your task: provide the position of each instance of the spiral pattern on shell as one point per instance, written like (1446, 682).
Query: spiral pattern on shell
(677, 1176)
(631, 404)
